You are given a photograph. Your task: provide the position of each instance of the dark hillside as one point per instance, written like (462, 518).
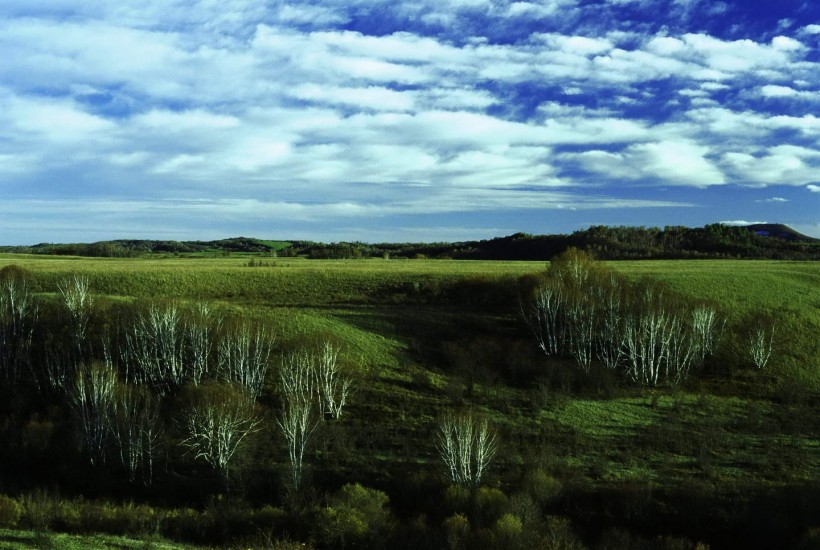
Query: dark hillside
(780, 231)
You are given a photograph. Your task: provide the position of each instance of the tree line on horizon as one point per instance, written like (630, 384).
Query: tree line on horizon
(714, 241)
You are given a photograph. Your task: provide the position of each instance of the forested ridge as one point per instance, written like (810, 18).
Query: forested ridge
(714, 241)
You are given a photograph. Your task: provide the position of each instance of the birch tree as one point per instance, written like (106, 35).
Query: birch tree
(609, 337)
(576, 268)
(78, 302)
(218, 419)
(759, 345)
(646, 341)
(545, 315)
(706, 330)
(298, 415)
(18, 313)
(154, 349)
(198, 335)
(243, 356)
(92, 397)
(683, 351)
(332, 385)
(137, 430)
(581, 321)
(466, 445)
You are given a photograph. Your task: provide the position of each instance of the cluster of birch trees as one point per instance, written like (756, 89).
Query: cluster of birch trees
(467, 445)
(584, 312)
(162, 376)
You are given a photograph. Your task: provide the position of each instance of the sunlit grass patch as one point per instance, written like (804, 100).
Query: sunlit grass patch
(38, 540)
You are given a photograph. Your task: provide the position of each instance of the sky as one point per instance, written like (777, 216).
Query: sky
(408, 120)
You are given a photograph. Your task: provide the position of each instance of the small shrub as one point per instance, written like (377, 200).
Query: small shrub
(356, 516)
(98, 517)
(457, 499)
(183, 524)
(525, 508)
(542, 487)
(269, 518)
(810, 539)
(136, 519)
(560, 534)
(10, 512)
(67, 516)
(491, 503)
(456, 530)
(508, 530)
(38, 511)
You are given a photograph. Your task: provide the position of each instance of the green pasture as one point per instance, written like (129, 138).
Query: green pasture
(31, 540)
(368, 304)
(738, 285)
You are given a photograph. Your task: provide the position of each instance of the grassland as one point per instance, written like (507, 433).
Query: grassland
(427, 335)
(31, 540)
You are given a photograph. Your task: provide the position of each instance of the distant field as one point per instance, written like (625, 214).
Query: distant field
(738, 286)
(739, 283)
(282, 281)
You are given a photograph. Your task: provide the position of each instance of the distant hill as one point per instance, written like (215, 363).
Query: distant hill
(759, 241)
(779, 231)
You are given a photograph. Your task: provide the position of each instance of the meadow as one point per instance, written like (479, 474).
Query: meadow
(730, 458)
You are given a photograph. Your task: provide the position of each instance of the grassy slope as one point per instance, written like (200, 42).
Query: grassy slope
(729, 433)
(30, 540)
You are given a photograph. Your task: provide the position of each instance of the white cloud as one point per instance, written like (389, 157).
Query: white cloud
(775, 90)
(539, 10)
(53, 120)
(578, 45)
(738, 55)
(813, 188)
(376, 98)
(740, 223)
(786, 43)
(678, 162)
(310, 15)
(782, 164)
(669, 162)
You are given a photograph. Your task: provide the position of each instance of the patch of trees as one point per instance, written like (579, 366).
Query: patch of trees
(131, 248)
(159, 386)
(769, 241)
(582, 311)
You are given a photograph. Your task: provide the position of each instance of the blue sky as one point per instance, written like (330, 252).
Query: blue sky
(422, 120)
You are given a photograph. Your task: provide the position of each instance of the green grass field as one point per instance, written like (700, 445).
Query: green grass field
(30, 540)
(730, 431)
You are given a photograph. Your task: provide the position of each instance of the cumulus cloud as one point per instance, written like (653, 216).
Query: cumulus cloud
(779, 91)
(782, 164)
(669, 162)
